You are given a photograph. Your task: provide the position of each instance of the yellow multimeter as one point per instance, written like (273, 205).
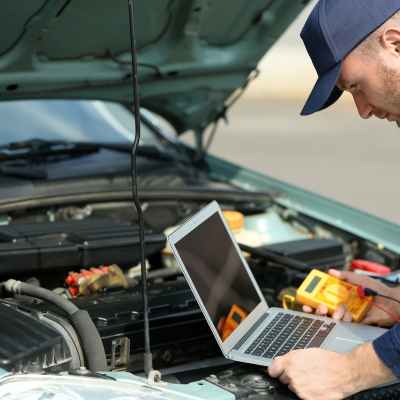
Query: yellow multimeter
(320, 288)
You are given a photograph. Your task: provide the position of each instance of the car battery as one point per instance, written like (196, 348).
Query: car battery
(178, 331)
(320, 254)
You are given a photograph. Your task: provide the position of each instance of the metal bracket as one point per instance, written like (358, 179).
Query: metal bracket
(123, 347)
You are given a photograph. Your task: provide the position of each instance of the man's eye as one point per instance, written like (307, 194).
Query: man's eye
(353, 86)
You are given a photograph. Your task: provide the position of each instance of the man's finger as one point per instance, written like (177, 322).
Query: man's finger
(275, 370)
(322, 310)
(339, 312)
(284, 378)
(308, 309)
(347, 317)
(350, 277)
(342, 275)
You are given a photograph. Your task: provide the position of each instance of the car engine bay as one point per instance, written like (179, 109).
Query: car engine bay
(79, 239)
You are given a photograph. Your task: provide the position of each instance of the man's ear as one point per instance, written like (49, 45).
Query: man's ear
(391, 40)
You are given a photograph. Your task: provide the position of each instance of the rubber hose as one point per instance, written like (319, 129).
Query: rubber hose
(42, 294)
(93, 348)
(303, 222)
(92, 345)
(288, 215)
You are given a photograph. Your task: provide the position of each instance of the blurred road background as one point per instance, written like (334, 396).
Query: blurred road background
(334, 152)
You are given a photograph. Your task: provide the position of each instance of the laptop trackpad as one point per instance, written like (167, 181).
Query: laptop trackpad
(340, 345)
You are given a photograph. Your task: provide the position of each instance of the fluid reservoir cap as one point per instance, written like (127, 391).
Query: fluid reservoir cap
(234, 219)
(253, 207)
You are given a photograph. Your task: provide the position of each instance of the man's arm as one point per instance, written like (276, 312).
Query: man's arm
(317, 374)
(321, 374)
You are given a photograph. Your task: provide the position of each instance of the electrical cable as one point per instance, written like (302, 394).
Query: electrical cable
(123, 62)
(361, 292)
(370, 292)
(147, 356)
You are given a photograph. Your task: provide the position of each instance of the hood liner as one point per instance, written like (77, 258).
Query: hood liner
(193, 54)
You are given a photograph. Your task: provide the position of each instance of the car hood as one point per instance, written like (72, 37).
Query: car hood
(193, 53)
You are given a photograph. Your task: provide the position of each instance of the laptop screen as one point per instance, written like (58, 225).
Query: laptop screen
(218, 274)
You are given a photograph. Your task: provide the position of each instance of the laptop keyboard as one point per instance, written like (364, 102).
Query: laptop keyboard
(288, 332)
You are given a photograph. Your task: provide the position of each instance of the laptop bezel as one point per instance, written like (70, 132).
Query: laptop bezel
(260, 309)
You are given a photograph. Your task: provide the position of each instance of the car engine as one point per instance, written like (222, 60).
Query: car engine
(78, 240)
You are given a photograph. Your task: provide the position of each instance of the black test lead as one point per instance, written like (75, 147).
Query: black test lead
(148, 362)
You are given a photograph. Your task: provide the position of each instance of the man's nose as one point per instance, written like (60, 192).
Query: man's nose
(365, 109)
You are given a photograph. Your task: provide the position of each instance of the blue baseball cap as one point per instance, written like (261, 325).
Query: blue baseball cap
(332, 31)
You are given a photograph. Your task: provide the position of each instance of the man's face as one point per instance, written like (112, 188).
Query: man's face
(374, 85)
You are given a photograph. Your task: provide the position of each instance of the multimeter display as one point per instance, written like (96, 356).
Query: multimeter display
(320, 288)
(313, 284)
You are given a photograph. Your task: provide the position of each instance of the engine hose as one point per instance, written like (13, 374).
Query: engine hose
(288, 215)
(92, 345)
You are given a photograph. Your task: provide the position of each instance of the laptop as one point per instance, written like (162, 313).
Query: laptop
(228, 295)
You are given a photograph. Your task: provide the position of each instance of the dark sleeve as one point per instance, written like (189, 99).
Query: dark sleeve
(387, 347)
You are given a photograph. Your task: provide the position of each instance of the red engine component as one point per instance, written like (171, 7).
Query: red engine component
(370, 266)
(75, 279)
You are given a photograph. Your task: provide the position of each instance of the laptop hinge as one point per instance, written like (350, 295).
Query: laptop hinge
(251, 331)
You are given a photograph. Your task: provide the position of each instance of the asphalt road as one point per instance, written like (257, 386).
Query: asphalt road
(334, 153)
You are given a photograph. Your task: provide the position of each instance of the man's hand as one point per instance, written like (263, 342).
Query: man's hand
(373, 314)
(317, 374)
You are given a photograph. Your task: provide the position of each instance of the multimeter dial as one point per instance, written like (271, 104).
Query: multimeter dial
(336, 293)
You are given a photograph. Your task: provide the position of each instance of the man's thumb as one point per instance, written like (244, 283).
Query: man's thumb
(349, 277)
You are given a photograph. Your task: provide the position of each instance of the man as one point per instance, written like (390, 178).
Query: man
(355, 47)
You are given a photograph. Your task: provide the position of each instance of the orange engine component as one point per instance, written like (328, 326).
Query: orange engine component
(75, 279)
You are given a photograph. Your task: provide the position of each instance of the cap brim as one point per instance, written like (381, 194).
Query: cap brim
(325, 91)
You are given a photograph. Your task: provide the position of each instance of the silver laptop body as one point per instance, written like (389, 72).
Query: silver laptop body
(219, 277)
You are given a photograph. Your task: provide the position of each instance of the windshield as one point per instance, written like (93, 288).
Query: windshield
(70, 120)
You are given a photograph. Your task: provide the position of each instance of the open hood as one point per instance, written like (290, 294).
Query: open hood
(193, 53)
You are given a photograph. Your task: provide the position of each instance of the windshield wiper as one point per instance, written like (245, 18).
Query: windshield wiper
(38, 150)
(143, 150)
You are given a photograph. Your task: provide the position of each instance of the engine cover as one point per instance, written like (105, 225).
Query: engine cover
(178, 330)
(72, 245)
